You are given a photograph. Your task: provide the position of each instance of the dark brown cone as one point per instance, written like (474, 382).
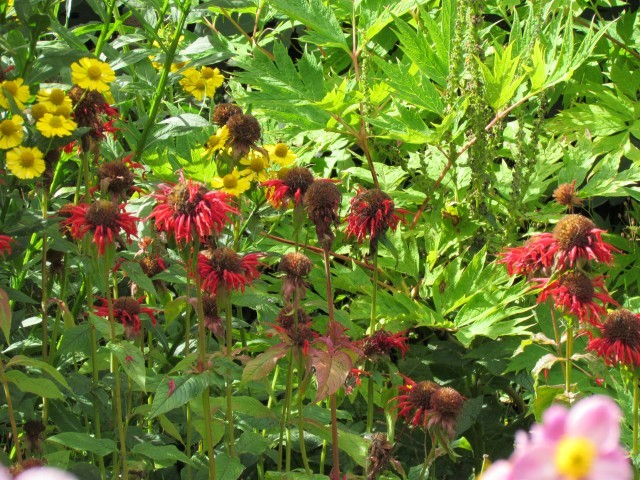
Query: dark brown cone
(116, 179)
(323, 200)
(622, 326)
(245, 132)
(224, 111)
(420, 396)
(573, 231)
(565, 195)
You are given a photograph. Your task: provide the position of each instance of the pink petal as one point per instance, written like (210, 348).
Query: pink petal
(596, 418)
(615, 465)
(500, 470)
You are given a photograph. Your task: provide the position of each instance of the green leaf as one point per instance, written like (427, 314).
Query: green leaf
(253, 443)
(318, 18)
(228, 468)
(134, 271)
(39, 364)
(501, 82)
(42, 387)
(5, 315)
(75, 339)
(164, 455)
(545, 396)
(185, 388)
(132, 360)
(84, 442)
(353, 445)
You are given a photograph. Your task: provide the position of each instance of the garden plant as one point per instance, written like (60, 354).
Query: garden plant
(307, 239)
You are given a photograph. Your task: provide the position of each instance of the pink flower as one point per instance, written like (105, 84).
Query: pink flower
(578, 444)
(44, 473)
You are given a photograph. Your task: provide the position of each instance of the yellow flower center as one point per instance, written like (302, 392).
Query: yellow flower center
(57, 96)
(38, 111)
(574, 457)
(63, 111)
(207, 73)
(56, 121)
(230, 181)
(7, 128)
(283, 172)
(213, 141)
(27, 159)
(281, 150)
(94, 72)
(200, 84)
(257, 165)
(11, 87)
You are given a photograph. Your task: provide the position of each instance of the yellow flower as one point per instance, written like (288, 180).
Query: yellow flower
(201, 84)
(53, 99)
(232, 183)
(216, 142)
(63, 110)
(92, 74)
(51, 125)
(280, 154)
(38, 110)
(257, 165)
(16, 90)
(11, 132)
(25, 162)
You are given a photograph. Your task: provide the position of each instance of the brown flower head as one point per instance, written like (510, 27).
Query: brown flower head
(296, 267)
(578, 240)
(224, 111)
(292, 186)
(51, 159)
(619, 342)
(294, 327)
(381, 342)
(245, 132)
(90, 109)
(211, 318)
(414, 401)
(379, 456)
(33, 429)
(323, 200)
(447, 404)
(565, 195)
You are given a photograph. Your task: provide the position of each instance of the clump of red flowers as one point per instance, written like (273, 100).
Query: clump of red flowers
(103, 218)
(91, 109)
(371, 214)
(127, 310)
(224, 268)
(5, 244)
(619, 342)
(381, 342)
(188, 210)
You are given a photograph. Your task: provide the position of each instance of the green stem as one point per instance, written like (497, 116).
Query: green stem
(228, 333)
(372, 329)
(202, 352)
(105, 28)
(301, 392)
(634, 451)
(10, 411)
(115, 369)
(45, 294)
(287, 411)
(429, 458)
(569, 354)
(157, 96)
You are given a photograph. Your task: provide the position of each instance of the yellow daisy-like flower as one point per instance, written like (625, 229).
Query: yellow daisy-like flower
(280, 154)
(201, 84)
(51, 125)
(64, 111)
(92, 74)
(212, 76)
(232, 183)
(11, 132)
(38, 110)
(216, 142)
(16, 90)
(257, 165)
(54, 99)
(25, 162)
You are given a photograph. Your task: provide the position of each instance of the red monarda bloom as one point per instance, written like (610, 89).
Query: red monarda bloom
(127, 310)
(414, 401)
(188, 208)
(381, 343)
(5, 244)
(103, 218)
(116, 178)
(578, 239)
(535, 255)
(620, 339)
(371, 214)
(291, 187)
(576, 293)
(224, 268)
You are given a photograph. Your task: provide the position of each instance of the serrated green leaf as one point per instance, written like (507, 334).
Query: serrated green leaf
(132, 360)
(228, 468)
(39, 364)
(260, 366)
(164, 455)
(183, 389)
(43, 387)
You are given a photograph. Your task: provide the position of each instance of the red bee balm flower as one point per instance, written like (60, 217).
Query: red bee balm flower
(103, 218)
(127, 310)
(292, 186)
(189, 206)
(372, 213)
(5, 244)
(414, 402)
(620, 340)
(223, 267)
(381, 343)
(535, 255)
(578, 239)
(576, 293)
